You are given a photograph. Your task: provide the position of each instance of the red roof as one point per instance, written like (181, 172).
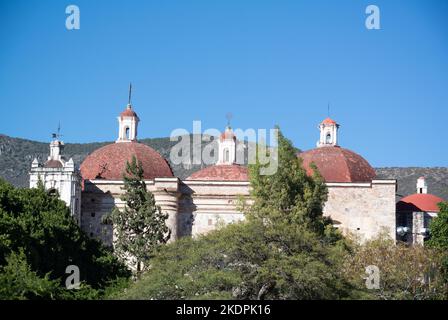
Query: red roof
(128, 112)
(328, 121)
(109, 162)
(419, 202)
(223, 172)
(337, 164)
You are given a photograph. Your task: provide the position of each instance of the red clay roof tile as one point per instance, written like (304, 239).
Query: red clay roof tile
(109, 162)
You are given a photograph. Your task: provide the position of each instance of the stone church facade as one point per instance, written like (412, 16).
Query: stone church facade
(358, 203)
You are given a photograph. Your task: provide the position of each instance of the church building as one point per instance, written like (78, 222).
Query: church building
(358, 203)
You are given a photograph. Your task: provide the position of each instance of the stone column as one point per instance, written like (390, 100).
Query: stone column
(418, 222)
(167, 195)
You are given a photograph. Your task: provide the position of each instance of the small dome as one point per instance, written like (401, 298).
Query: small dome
(53, 164)
(419, 202)
(228, 134)
(128, 112)
(337, 164)
(224, 172)
(109, 162)
(328, 121)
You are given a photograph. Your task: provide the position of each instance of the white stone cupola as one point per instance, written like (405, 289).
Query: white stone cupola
(128, 123)
(422, 187)
(56, 148)
(227, 147)
(328, 133)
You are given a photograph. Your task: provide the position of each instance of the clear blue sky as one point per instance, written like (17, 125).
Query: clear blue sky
(267, 62)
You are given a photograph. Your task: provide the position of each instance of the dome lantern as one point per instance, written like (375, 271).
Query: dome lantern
(227, 147)
(328, 133)
(128, 123)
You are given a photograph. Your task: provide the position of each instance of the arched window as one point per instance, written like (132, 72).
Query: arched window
(226, 155)
(127, 134)
(328, 138)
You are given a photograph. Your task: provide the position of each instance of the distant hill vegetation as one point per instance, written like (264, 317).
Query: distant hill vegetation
(17, 154)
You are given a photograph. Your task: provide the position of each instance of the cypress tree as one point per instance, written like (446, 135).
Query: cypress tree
(140, 227)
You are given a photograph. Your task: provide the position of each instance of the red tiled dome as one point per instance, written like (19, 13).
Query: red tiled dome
(128, 112)
(109, 162)
(419, 202)
(337, 164)
(223, 172)
(328, 121)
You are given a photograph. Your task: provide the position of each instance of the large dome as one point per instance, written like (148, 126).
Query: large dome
(224, 172)
(337, 164)
(109, 162)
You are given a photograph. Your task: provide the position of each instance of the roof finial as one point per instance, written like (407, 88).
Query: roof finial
(58, 134)
(229, 117)
(328, 109)
(130, 93)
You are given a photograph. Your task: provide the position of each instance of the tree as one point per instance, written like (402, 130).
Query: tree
(439, 236)
(239, 261)
(404, 272)
(439, 228)
(289, 196)
(140, 227)
(39, 225)
(19, 282)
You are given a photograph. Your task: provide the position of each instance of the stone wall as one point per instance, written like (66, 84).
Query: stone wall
(204, 205)
(197, 207)
(363, 209)
(100, 197)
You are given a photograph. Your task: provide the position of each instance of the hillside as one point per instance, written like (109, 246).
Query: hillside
(17, 154)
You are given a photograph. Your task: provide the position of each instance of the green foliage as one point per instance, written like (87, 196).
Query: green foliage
(140, 227)
(439, 236)
(242, 261)
(439, 228)
(406, 272)
(289, 196)
(285, 250)
(19, 282)
(39, 225)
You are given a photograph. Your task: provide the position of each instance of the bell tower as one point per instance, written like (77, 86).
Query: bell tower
(422, 187)
(328, 133)
(58, 174)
